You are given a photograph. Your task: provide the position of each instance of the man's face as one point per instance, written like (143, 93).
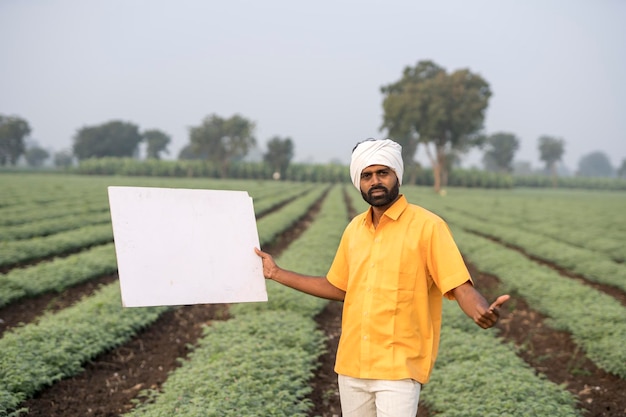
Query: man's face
(379, 185)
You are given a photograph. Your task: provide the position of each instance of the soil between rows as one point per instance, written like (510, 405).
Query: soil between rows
(110, 383)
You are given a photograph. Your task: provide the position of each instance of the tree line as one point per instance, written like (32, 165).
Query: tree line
(216, 139)
(442, 112)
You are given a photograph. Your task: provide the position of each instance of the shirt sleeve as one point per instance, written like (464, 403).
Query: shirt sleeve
(445, 263)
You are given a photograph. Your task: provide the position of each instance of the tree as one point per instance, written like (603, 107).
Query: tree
(595, 164)
(222, 140)
(13, 131)
(63, 159)
(157, 142)
(279, 154)
(114, 138)
(441, 111)
(500, 152)
(36, 156)
(551, 151)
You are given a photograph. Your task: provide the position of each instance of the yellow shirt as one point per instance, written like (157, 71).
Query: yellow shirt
(394, 276)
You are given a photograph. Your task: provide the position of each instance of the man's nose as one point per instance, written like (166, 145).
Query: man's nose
(375, 180)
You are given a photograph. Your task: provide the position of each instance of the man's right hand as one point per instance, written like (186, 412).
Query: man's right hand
(269, 266)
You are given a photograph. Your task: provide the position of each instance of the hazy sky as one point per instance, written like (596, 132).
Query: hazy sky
(312, 70)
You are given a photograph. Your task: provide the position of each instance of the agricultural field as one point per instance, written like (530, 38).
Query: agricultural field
(68, 347)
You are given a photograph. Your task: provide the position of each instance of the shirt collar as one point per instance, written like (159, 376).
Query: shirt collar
(397, 208)
(392, 212)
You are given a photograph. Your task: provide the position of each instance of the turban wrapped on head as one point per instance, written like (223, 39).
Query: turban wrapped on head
(376, 152)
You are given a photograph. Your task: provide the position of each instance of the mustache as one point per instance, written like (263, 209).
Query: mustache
(377, 187)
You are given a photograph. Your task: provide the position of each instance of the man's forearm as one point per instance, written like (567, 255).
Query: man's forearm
(317, 286)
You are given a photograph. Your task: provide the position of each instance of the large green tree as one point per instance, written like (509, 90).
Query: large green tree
(500, 152)
(222, 140)
(551, 150)
(13, 131)
(595, 164)
(156, 143)
(442, 111)
(279, 154)
(114, 138)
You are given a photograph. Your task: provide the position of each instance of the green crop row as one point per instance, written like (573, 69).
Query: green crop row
(589, 264)
(596, 321)
(54, 225)
(34, 212)
(589, 220)
(274, 223)
(265, 204)
(17, 251)
(58, 274)
(604, 241)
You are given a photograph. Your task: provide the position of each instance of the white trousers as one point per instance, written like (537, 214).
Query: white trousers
(378, 398)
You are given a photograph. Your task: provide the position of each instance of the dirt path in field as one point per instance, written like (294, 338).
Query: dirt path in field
(113, 380)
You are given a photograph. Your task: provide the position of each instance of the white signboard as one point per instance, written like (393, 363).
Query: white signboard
(183, 246)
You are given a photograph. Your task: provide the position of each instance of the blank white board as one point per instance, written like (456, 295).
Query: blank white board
(184, 246)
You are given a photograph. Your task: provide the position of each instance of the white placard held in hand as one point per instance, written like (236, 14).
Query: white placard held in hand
(184, 246)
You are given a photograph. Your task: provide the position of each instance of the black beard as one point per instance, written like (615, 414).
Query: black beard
(382, 200)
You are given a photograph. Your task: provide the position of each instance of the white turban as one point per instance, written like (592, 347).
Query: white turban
(376, 152)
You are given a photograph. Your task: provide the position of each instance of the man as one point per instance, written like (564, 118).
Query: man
(394, 265)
